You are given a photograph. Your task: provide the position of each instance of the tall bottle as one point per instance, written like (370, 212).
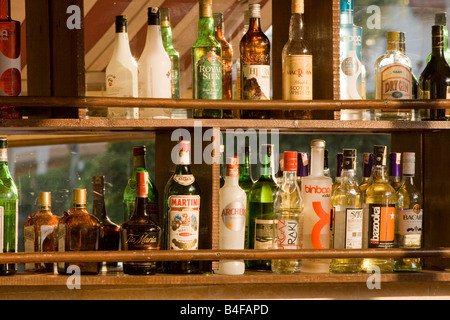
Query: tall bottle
(109, 239)
(410, 216)
(379, 213)
(237, 65)
(255, 74)
(140, 232)
(206, 63)
(154, 67)
(316, 194)
(348, 215)
(288, 212)
(245, 182)
(122, 72)
(395, 160)
(440, 19)
(10, 62)
(393, 80)
(302, 167)
(415, 113)
(297, 63)
(182, 211)
(261, 215)
(233, 204)
(9, 206)
(434, 82)
(39, 233)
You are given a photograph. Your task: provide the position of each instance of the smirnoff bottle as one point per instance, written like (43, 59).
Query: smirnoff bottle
(316, 194)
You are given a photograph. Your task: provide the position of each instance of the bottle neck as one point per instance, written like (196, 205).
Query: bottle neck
(141, 206)
(317, 161)
(296, 26)
(231, 181)
(218, 32)
(346, 17)
(266, 169)
(244, 168)
(183, 164)
(437, 46)
(166, 32)
(205, 27)
(393, 46)
(5, 10)
(139, 162)
(44, 210)
(289, 178)
(348, 175)
(379, 174)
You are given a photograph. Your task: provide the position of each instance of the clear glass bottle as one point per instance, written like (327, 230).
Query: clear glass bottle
(348, 215)
(339, 166)
(302, 167)
(393, 79)
(367, 173)
(415, 114)
(395, 170)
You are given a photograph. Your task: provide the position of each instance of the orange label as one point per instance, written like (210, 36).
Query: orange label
(381, 226)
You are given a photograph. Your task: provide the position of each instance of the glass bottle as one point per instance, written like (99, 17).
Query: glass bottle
(206, 63)
(434, 82)
(339, 165)
(288, 212)
(245, 181)
(367, 173)
(122, 72)
(379, 213)
(255, 65)
(316, 195)
(222, 165)
(10, 62)
(261, 215)
(393, 79)
(109, 231)
(395, 170)
(348, 215)
(237, 67)
(140, 232)
(154, 68)
(302, 167)
(9, 206)
(440, 19)
(415, 113)
(39, 233)
(297, 63)
(233, 204)
(182, 211)
(410, 216)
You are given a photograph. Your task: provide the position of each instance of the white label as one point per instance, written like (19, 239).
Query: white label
(256, 82)
(233, 216)
(410, 221)
(184, 180)
(184, 214)
(353, 228)
(288, 232)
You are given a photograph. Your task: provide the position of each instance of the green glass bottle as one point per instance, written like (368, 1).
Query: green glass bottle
(245, 181)
(206, 63)
(9, 204)
(440, 19)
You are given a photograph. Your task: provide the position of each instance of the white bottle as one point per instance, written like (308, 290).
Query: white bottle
(122, 72)
(154, 69)
(233, 203)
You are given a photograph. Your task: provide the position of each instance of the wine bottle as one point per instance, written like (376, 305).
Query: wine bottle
(440, 19)
(245, 181)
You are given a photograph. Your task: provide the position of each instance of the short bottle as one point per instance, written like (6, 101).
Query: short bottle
(140, 232)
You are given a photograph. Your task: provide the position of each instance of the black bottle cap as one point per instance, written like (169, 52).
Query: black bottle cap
(121, 24)
(379, 155)
(440, 18)
(349, 159)
(153, 16)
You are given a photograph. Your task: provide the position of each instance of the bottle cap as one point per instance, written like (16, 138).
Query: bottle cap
(440, 18)
(79, 196)
(394, 164)
(44, 199)
(368, 163)
(379, 155)
(409, 163)
(303, 164)
(339, 164)
(298, 6)
(205, 7)
(218, 19)
(139, 151)
(232, 166)
(142, 184)
(121, 24)
(153, 16)
(318, 143)
(254, 10)
(349, 159)
(346, 5)
(393, 36)
(290, 161)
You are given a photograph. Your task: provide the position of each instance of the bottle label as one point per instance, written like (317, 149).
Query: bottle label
(184, 215)
(381, 225)
(10, 64)
(297, 78)
(233, 216)
(410, 220)
(256, 82)
(4, 155)
(142, 241)
(208, 77)
(29, 245)
(353, 228)
(288, 231)
(396, 83)
(184, 180)
(264, 231)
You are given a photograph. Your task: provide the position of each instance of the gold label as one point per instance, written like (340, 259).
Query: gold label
(297, 78)
(396, 83)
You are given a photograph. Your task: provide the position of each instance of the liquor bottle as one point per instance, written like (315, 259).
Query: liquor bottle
(367, 173)
(302, 167)
(140, 232)
(109, 239)
(395, 170)
(288, 212)
(222, 165)
(393, 79)
(122, 72)
(261, 216)
(10, 65)
(316, 194)
(255, 74)
(39, 233)
(79, 232)
(227, 63)
(154, 67)
(245, 182)
(440, 19)
(410, 216)
(350, 57)
(129, 194)
(206, 63)
(9, 206)
(379, 213)
(182, 211)
(233, 204)
(434, 82)
(348, 215)
(297, 63)
(237, 65)
(339, 166)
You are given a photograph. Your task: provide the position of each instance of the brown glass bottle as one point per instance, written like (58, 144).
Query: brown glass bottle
(140, 232)
(255, 65)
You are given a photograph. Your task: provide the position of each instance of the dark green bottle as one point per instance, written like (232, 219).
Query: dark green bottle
(245, 182)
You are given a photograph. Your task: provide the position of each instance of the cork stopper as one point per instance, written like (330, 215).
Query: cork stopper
(298, 6)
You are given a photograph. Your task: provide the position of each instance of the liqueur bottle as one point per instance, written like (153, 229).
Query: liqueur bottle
(206, 63)
(440, 19)
(39, 233)
(261, 215)
(122, 72)
(255, 65)
(154, 67)
(109, 231)
(339, 166)
(393, 79)
(10, 62)
(182, 211)
(434, 82)
(9, 206)
(233, 204)
(140, 232)
(316, 195)
(395, 170)
(79, 232)
(379, 213)
(245, 182)
(288, 212)
(348, 215)
(297, 63)
(410, 216)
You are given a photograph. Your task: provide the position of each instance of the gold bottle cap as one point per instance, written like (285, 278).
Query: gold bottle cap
(297, 6)
(79, 196)
(205, 7)
(44, 199)
(393, 36)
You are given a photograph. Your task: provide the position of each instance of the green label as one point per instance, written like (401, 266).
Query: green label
(209, 77)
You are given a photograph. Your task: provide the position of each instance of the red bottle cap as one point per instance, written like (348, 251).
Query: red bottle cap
(142, 184)
(290, 161)
(139, 151)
